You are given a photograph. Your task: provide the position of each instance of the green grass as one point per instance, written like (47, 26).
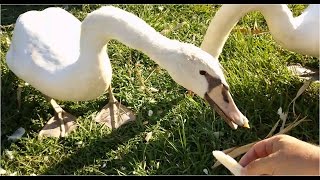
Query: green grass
(182, 126)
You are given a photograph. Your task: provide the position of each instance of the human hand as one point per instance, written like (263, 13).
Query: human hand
(281, 155)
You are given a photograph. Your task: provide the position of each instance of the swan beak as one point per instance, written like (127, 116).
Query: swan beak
(221, 101)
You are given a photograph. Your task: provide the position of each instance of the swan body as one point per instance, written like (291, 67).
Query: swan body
(45, 52)
(298, 34)
(67, 60)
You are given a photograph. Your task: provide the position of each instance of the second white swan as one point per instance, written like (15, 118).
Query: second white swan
(298, 34)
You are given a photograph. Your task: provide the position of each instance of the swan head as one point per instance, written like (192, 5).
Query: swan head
(201, 73)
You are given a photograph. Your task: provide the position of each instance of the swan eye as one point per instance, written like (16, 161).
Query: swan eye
(212, 81)
(202, 72)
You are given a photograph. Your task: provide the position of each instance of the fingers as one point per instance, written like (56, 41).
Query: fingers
(262, 166)
(259, 150)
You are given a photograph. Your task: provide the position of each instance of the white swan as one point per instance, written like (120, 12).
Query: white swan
(67, 60)
(299, 34)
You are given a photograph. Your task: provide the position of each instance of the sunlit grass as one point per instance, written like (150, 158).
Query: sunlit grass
(182, 126)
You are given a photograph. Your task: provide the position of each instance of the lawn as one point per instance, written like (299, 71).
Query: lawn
(185, 130)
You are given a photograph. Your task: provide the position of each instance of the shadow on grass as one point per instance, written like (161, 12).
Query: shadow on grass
(97, 149)
(34, 105)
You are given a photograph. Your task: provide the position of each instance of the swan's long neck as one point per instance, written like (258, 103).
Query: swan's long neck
(278, 17)
(220, 27)
(109, 23)
(280, 21)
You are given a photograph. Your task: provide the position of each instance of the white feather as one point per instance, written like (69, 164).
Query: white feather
(299, 34)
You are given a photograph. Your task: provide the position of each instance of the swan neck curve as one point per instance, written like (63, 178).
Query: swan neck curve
(108, 23)
(280, 21)
(220, 27)
(278, 17)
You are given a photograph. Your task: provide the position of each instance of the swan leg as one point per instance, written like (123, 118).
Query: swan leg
(60, 125)
(114, 114)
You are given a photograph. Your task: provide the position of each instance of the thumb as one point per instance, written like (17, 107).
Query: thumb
(262, 166)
